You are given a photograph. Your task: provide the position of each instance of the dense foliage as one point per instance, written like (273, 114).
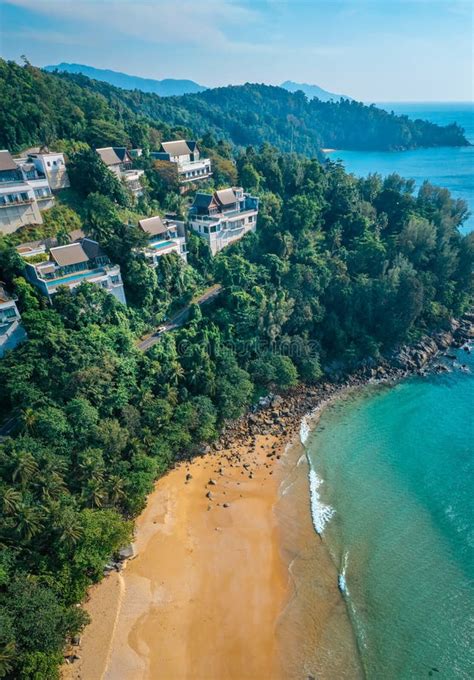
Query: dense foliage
(339, 270)
(38, 106)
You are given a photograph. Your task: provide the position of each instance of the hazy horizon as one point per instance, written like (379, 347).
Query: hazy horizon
(294, 79)
(384, 51)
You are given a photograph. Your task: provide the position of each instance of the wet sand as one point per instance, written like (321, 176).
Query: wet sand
(314, 634)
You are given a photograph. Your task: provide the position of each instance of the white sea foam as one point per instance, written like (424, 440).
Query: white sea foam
(321, 512)
(305, 429)
(342, 576)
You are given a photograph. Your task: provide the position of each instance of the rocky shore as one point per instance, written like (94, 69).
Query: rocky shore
(280, 416)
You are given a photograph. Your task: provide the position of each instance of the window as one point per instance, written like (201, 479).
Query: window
(9, 313)
(42, 192)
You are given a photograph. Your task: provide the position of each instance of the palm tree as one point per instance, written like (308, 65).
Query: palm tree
(11, 501)
(176, 373)
(52, 485)
(7, 655)
(25, 468)
(28, 418)
(29, 522)
(116, 489)
(71, 534)
(69, 527)
(94, 493)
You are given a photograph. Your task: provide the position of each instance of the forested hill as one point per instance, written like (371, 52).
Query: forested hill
(39, 106)
(251, 114)
(165, 88)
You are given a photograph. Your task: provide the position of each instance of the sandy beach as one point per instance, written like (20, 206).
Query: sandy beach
(202, 597)
(230, 581)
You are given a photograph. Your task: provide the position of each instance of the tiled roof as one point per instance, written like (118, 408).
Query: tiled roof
(73, 253)
(6, 161)
(153, 226)
(91, 248)
(178, 148)
(225, 197)
(109, 156)
(202, 200)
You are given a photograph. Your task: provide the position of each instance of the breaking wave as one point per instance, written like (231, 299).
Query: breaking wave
(321, 512)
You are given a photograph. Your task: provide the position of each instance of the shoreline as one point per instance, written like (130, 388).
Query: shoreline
(222, 523)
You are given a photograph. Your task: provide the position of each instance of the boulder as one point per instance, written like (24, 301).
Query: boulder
(127, 552)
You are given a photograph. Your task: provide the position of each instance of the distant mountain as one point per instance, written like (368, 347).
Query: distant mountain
(244, 115)
(312, 91)
(165, 88)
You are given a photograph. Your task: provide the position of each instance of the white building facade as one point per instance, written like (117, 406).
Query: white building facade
(164, 237)
(223, 217)
(25, 190)
(187, 157)
(53, 167)
(120, 162)
(70, 265)
(11, 329)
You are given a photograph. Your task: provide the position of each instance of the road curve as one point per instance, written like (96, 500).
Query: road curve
(179, 318)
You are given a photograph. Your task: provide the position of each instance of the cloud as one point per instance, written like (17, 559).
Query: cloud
(47, 37)
(208, 22)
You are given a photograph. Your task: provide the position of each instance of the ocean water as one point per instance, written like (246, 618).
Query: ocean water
(449, 167)
(392, 485)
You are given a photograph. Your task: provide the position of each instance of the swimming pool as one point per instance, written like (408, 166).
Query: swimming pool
(159, 245)
(74, 277)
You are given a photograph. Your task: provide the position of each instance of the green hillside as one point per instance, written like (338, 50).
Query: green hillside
(39, 106)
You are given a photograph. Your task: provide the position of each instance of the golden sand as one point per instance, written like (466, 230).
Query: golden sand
(210, 595)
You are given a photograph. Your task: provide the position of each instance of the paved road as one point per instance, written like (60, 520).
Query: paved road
(179, 318)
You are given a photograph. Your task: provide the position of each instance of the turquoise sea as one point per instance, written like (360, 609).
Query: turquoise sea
(392, 485)
(448, 167)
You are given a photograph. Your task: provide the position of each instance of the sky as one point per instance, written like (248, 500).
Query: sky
(372, 50)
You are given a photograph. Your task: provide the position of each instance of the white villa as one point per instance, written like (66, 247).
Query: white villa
(70, 265)
(24, 193)
(223, 217)
(186, 155)
(11, 329)
(120, 162)
(53, 167)
(164, 237)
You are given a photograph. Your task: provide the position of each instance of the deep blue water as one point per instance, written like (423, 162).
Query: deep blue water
(449, 167)
(393, 498)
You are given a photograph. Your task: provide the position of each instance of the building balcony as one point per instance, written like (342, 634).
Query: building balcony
(20, 201)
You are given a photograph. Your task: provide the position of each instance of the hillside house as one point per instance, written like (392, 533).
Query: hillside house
(223, 217)
(24, 193)
(70, 265)
(164, 237)
(11, 329)
(120, 162)
(53, 167)
(186, 155)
